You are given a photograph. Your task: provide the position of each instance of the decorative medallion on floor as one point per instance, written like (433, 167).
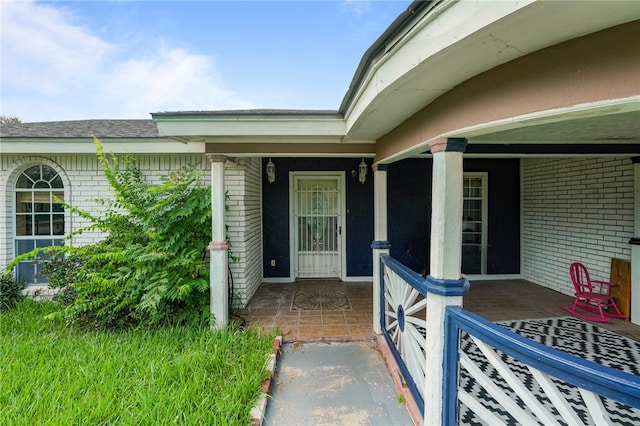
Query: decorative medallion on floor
(319, 300)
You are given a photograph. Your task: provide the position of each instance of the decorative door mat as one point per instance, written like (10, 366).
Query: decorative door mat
(568, 334)
(319, 301)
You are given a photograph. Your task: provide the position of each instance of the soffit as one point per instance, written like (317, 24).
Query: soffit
(461, 40)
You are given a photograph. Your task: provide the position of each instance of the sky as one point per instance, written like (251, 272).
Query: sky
(74, 60)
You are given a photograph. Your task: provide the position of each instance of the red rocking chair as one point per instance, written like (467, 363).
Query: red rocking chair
(592, 296)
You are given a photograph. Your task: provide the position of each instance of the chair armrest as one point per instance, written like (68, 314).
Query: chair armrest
(602, 285)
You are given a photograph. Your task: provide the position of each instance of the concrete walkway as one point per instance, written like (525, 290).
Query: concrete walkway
(338, 383)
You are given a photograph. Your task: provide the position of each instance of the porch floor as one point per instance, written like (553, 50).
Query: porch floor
(272, 306)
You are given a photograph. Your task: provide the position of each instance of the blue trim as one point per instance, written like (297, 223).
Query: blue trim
(401, 270)
(381, 245)
(400, 313)
(456, 144)
(450, 373)
(406, 375)
(608, 382)
(445, 287)
(383, 306)
(412, 278)
(382, 167)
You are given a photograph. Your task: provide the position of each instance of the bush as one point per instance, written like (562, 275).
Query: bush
(149, 269)
(10, 290)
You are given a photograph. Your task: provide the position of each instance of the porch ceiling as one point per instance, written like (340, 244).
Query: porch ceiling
(613, 129)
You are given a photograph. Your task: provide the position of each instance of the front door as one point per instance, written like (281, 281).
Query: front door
(316, 227)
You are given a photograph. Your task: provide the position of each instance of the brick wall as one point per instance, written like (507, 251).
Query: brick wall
(575, 209)
(244, 225)
(83, 181)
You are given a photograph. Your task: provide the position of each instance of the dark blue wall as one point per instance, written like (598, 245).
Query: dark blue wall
(359, 214)
(409, 212)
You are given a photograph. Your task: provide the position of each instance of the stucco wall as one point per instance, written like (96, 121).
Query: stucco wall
(575, 209)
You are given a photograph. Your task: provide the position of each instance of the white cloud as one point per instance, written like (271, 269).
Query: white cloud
(356, 7)
(55, 69)
(172, 79)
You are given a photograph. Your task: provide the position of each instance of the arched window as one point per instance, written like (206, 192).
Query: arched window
(39, 216)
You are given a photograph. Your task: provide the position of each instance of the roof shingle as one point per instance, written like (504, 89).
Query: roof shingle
(81, 129)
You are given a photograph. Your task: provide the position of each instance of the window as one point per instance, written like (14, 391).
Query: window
(39, 216)
(474, 223)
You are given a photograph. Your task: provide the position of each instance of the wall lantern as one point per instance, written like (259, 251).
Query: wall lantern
(362, 171)
(271, 171)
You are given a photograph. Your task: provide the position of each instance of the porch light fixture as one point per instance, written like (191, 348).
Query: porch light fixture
(271, 171)
(362, 171)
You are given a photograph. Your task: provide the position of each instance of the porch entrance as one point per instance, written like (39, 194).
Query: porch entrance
(316, 225)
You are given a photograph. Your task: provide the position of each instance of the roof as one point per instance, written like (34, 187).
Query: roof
(81, 129)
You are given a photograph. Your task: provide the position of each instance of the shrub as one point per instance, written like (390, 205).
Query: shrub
(10, 290)
(148, 270)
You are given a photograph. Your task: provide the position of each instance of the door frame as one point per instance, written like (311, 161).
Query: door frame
(342, 237)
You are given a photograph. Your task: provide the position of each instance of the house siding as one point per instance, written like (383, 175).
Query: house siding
(575, 209)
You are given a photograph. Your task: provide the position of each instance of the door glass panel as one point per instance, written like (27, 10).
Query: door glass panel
(473, 225)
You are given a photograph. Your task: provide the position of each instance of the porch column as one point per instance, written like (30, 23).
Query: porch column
(218, 282)
(445, 284)
(635, 246)
(380, 244)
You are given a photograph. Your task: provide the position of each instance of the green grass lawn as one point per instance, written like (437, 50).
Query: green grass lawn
(51, 375)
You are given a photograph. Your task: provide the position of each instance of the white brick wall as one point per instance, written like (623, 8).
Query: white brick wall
(575, 209)
(83, 181)
(244, 225)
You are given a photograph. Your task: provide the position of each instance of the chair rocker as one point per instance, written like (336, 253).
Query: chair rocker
(592, 297)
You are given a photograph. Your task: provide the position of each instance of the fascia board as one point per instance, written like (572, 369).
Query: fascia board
(252, 127)
(86, 146)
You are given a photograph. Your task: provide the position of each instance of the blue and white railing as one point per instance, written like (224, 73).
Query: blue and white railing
(551, 372)
(403, 302)
(548, 370)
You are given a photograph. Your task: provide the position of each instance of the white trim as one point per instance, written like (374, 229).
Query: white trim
(357, 279)
(493, 277)
(277, 280)
(549, 116)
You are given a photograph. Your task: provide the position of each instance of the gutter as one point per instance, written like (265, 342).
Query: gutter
(378, 48)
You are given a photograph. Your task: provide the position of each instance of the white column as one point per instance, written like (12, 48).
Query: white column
(380, 244)
(635, 247)
(218, 281)
(444, 285)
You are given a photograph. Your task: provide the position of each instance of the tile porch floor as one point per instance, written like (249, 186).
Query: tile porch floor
(494, 300)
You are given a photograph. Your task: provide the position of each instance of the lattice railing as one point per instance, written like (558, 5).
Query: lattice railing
(525, 382)
(403, 303)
